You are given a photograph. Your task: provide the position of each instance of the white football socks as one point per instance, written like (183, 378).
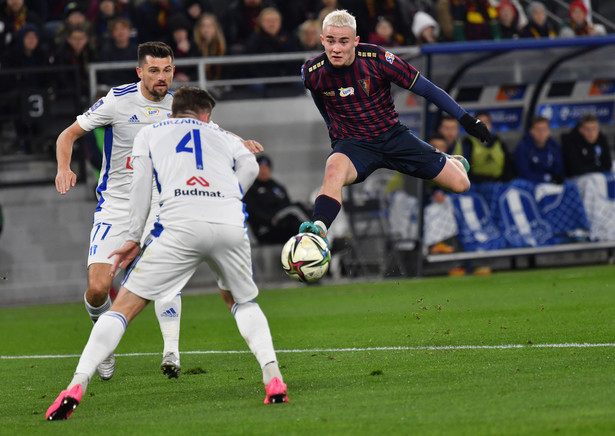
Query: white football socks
(254, 328)
(169, 316)
(95, 312)
(104, 339)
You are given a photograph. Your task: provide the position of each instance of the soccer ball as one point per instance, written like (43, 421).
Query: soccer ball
(306, 257)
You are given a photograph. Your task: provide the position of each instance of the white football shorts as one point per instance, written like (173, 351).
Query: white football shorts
(166, 262)
(110, 232)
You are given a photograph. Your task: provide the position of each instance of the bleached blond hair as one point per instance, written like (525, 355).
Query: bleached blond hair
(340, 18)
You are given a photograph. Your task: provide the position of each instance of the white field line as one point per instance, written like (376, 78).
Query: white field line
(338, 350)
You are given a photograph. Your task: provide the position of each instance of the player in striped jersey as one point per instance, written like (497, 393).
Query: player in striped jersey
(351, 85)
(200, 221)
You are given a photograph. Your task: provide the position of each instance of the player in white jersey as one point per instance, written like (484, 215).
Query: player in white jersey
(201, 173)
(123, 112)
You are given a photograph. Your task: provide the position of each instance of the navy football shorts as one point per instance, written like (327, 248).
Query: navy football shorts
(398, 149)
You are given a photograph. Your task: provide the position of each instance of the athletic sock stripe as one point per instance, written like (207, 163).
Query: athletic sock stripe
(116, 315)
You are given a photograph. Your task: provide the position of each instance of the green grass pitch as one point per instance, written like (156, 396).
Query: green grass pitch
(514, 353)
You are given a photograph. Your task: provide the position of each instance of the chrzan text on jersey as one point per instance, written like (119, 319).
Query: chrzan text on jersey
(198, 193)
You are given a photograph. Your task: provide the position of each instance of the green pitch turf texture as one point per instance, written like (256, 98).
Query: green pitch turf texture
(432, 384)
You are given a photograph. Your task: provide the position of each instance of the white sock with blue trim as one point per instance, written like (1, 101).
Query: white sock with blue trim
(169, 316)
(104, 339)
(95, 312)
(254, 328)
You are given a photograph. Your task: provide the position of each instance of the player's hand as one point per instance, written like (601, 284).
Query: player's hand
(124, 256)
(65, 179)
(475, 127)
(252, 145)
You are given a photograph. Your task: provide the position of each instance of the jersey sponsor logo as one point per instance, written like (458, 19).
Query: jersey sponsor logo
(329, 93)
(345, 92)
(365, 85)
(96, 105)
(389, 57)
(197, 179)
(198, 193)
(133, 119)
(150, 112)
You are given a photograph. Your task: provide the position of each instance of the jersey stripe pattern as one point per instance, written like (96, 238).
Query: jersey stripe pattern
(356, 100)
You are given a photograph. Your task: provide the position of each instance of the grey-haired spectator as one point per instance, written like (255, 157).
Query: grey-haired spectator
(539, 25)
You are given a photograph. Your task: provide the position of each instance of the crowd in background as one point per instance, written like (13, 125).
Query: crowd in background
(62, 32)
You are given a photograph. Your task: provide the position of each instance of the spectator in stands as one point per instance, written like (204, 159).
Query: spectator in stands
(181, 31)
(538, 157)
(27, 52)
(240, 21)
(444, 17)
(210, 41)
(585, 148)
(269, 37)
(449, 129)
(578, 25)
(509, 20)
(368, 12)
(119, 48)
(294, 13)
(74, 16)
(308, 35)
(75, 51)
(474, 20)
(425, 29)
(539, 26)
(195, 9)
(274, 218)
(151, 19)
(100, 14)
(14, 14)
(384, 34)
(489, 162)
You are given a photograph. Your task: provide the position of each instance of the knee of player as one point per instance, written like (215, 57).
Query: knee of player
(98, 289)
(460, 186)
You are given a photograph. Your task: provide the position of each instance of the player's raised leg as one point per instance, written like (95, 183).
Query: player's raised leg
(97, 302)
(169, 316)
(453, 176)
(339, 172)
(104, 338)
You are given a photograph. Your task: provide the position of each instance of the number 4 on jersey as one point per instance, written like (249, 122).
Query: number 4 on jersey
(185, 145)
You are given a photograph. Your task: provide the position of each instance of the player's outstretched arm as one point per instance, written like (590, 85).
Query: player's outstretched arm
(65, 177)
(124, 256)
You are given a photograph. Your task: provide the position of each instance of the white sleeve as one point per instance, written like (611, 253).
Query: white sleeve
(246, 170)
(101, 113)
(140, 187)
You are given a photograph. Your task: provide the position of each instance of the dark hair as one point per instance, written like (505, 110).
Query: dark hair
(155, 49)
(539, 119)
(588, 118)
(192, 99)
(447, 117)
(483, 113)
(119, 21)
(436, 135)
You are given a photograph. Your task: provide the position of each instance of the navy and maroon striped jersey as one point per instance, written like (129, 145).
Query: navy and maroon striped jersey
(356, 101)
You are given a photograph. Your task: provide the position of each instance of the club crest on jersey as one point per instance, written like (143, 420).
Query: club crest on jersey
(365, 85)
(389, 57)
(345, 92)
(150, 112)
